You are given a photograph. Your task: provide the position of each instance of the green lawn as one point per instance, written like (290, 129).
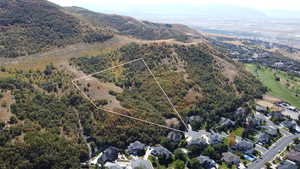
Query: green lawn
(277, 88)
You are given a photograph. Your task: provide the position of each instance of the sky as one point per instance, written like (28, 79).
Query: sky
(115, 5)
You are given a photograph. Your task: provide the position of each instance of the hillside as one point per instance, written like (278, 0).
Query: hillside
(135, 28)
(45, 122)
(32, 26)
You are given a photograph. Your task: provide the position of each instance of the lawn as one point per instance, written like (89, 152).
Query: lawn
(279, 89)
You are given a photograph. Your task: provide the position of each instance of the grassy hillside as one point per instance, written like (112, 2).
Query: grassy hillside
(191, 77)
(32, 26)
(280, 84)
(135, 28)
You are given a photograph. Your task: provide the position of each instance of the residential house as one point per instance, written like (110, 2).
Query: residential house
(161, 151)
(263, 138)
(175, 136)
(206, 162)
(244, 146)
(136, 149)
(297, 147)
(291, 125)
(215, 138)
(271, 131)
(277, 116)
(109, 155)
(261, 109)
(294, 156)
(225, 122)
(200, 137)
(287, 165)
(139, 163)
(230, 158)
(240, 111)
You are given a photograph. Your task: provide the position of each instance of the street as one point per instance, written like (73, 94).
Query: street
(279, 146)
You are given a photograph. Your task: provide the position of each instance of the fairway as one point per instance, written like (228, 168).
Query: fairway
(278, 88)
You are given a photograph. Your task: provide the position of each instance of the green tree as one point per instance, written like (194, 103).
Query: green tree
(178, 164)
(194, 164)
(180, 155)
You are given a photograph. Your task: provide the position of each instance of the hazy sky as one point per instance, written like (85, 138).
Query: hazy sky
(126, 4)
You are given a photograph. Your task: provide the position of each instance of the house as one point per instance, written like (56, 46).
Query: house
(110, 165)
(230, 158)
(136, 149)
(175, 136)
(206, 162)
(200, 137)
(226, 122)
(161, 151)
(297, 147)
(271, 131)
(194, 119)
(294, 156)
(240, 111)
(263, 138)
(244, 146)
(215, 138)
(277, 116)
(255, 122)
(261, 109)
(109, 155)
(287, 165)
(139, 163)
(291, 125)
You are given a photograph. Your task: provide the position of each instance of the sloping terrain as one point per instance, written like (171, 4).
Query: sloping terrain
(32, 26)
(180, 69)
(138, 29)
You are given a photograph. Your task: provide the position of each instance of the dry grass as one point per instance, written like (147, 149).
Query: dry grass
(5, 103)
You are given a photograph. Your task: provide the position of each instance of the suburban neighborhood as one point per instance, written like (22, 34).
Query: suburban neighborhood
(274, 144)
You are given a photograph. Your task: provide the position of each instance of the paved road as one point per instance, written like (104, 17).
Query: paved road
(271, 153)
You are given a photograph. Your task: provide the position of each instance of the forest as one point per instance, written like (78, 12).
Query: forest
(29, 27)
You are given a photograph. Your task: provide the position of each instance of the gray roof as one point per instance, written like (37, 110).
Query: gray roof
(156, 151)
(263, 138)
(261, 109)
(139, 163)
(287, 165)
(297, 147)
(240, 111)
(226, 122)
(109, 155)
(206, 162)
(244, 146)
(136, 148)
(271, 131)
(289, 124)
(230, 158)
(294, 156)
(174, 136)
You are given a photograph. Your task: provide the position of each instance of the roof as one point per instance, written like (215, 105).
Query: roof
(226, 122)
(156, 151)
(287, 165)
(263, 138)
(294, 156)
(206, 162)
(244, 146)
(297, 147)
(240, 111)
(289, 123)
(272, 131)
(136, 148)
(231, 158)
(139, 163)
(110, 154)
(174, 136)
(261, 109)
